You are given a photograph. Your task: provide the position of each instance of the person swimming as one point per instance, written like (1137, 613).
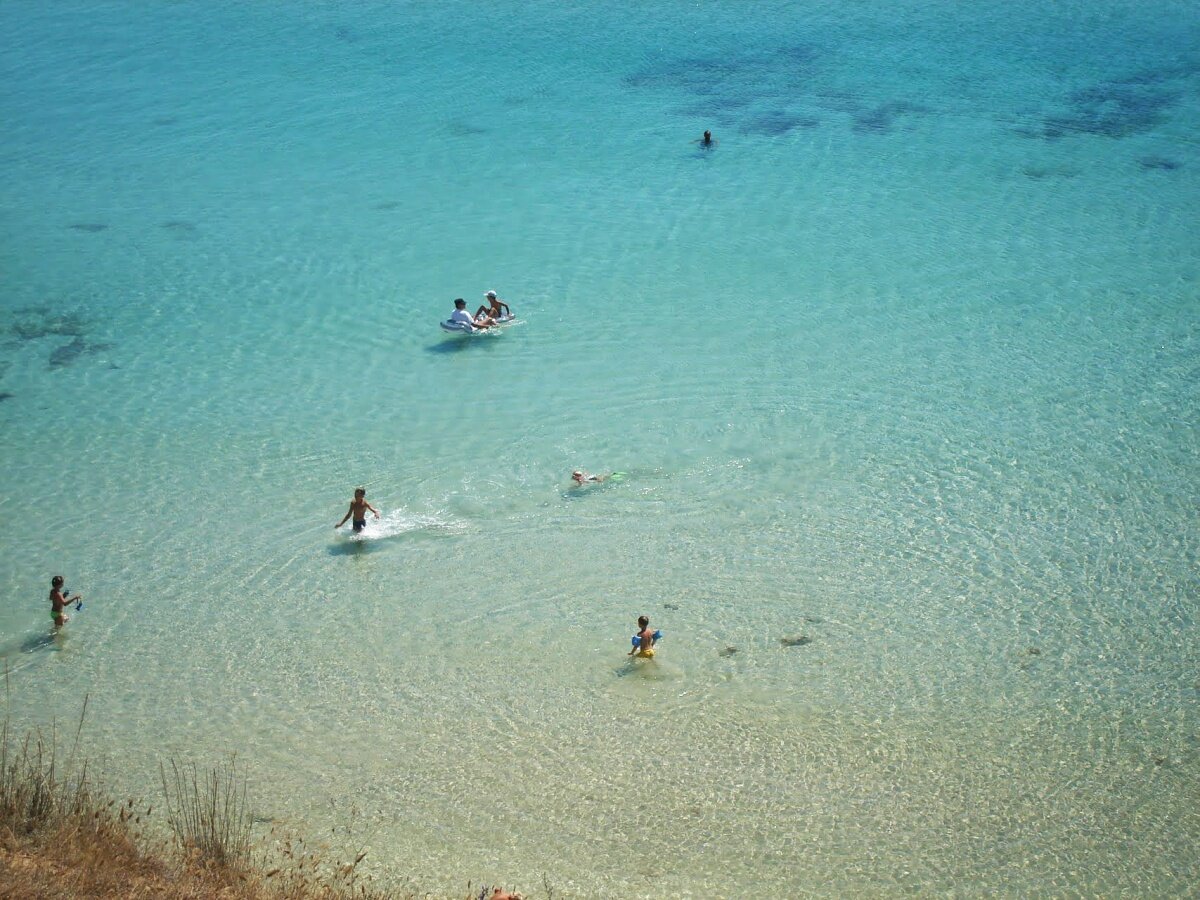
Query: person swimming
(581, 477)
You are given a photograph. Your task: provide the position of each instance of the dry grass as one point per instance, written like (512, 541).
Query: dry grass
(62, 837)
(207, 812)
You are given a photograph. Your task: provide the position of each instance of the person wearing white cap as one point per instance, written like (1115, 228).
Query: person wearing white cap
(493, 307)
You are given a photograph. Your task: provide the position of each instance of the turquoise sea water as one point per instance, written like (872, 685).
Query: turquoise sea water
(906, 366)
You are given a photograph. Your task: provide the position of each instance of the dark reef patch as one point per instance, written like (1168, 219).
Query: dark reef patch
(689, 72)
(1042, 173)
(67, 354)
(796, 641)
(163, 121)
(802, 55)
(180, 228)
(1160, 163)
(386, 205)
(1113, 108)
(5, 395)
(777, 122)
(880, 119)
(465, 129)
(36, 322)
(756, 93)
(89, 227)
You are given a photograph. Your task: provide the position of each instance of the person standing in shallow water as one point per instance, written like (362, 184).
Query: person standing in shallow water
(646, 641)
(58, 602)
(358, 509)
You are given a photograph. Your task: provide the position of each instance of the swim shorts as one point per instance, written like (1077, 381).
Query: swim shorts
(359, 525)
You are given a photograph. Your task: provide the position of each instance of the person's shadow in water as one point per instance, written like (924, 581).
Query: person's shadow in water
(358, 547)
(31, 645)
(462, 344)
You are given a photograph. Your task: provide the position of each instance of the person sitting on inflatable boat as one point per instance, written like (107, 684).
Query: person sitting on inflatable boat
(461, 315)
(496, 308)
(645, 639)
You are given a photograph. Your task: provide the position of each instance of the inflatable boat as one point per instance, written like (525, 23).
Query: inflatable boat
(463, 328)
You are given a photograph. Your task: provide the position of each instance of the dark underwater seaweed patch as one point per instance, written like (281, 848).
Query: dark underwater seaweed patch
(36, 322)
(465, 129)
(180, 228)
(838, 101)
(5, 395)
(1160, 163)
(1113, 109)
(387, 205)
(67, 354)
(90, 227)
(733, 87)
(686, 72)
(880, 119)
(1041, 173)
(777, 122)
(798, 54)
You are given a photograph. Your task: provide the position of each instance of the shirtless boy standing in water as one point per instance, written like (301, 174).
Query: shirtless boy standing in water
(495, 309)
(358, 509)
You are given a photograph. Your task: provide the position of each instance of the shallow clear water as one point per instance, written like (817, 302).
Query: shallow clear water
(907, 365)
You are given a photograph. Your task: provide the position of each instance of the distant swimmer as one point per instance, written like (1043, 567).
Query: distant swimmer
(495, 307)
(502, 894)
(581, 477)
(644, 640)
(707, 141)
(58, 602)
(460, 314)
(358, 509)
